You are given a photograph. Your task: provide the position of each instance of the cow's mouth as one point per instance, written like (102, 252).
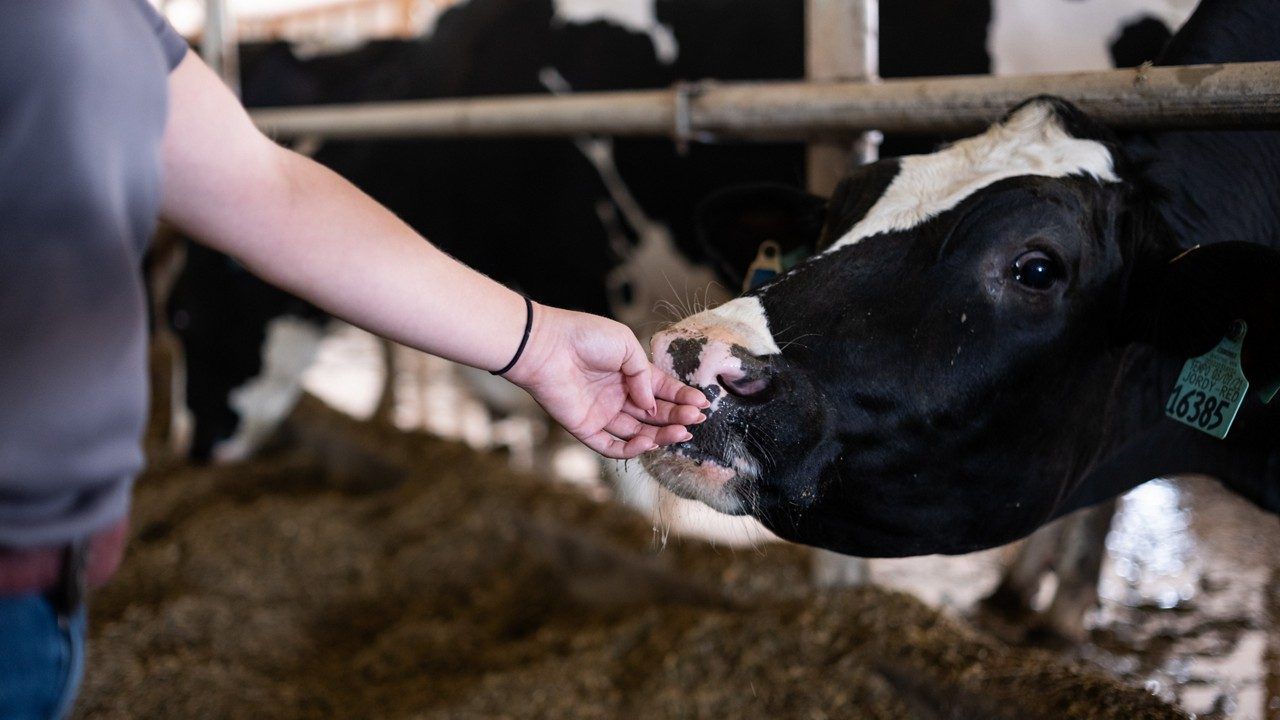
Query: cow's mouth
(694, 473)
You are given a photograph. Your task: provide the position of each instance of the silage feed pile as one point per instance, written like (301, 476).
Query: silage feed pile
(359, 572)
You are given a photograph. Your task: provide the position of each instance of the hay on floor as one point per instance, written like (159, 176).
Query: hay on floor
(359, 572)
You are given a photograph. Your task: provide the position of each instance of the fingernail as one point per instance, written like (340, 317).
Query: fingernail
(648, 445)
(686, 437)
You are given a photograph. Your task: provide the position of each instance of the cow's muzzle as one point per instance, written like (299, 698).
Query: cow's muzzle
(719, 366)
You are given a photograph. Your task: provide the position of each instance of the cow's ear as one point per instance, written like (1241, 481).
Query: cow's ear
(735, 222)
(1185, 303)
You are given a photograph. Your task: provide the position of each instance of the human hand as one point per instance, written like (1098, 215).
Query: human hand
(593, 377)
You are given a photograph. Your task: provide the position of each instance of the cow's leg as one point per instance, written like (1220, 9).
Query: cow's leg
(171, 425)
(1079, 569)
(835, 570)
(422, 380)
(1271, 595)
(164, 371)
(172, 392)
(384, 412)
(1032, 558)
(548, 438)
(262, 403)
(1072, 548)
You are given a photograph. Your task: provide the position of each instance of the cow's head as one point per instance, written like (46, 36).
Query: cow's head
(939, 375)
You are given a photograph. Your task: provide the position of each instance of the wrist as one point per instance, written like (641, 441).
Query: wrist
(534, 356)
(524, 339)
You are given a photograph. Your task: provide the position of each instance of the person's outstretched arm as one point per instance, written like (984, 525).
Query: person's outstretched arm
(303, 228)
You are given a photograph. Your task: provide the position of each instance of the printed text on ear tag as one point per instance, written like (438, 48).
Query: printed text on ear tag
(1212, 387)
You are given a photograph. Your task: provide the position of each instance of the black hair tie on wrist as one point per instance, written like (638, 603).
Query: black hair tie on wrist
(524, 340)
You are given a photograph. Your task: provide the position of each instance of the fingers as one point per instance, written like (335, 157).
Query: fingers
(668, 413)
(668, 388)
(671, 434)
(639, 376)
(626, 437)
(616, 448)
(627, 427)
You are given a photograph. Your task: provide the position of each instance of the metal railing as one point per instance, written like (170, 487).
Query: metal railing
(1227, 95)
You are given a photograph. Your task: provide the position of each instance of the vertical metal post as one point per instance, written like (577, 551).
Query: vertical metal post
(219, 47)
(842, 42)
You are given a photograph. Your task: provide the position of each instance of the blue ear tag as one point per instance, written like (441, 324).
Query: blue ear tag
(766, 266)
(1211, 387)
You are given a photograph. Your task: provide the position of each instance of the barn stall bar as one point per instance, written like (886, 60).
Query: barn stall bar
(1225, 95)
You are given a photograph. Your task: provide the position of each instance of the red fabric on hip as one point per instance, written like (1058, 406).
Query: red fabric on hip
(37, 570)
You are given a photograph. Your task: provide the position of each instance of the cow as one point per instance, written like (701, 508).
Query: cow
(988, 335)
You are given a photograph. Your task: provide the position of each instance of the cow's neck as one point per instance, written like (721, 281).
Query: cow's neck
(1212, 186)
(1148, 445)
(1209, 186)
(1140, 443)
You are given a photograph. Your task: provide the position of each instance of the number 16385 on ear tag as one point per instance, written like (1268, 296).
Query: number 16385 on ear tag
(1211, 387)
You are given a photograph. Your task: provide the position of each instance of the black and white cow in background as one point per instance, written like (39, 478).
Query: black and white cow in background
(537, 214)
(988, 335)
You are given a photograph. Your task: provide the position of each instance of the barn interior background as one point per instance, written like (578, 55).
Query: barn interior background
(365, 531)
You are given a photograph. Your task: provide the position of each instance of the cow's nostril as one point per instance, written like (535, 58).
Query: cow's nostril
(744, 386)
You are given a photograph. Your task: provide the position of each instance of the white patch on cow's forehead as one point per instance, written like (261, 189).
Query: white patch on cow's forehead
(1031, 142)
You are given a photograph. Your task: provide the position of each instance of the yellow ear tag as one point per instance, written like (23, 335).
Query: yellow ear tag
(1211, 387)
(766, 266)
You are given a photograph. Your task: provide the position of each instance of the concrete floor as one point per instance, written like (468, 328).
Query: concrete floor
(1190, 597)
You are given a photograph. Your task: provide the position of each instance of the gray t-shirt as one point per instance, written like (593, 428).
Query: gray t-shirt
(83, 102)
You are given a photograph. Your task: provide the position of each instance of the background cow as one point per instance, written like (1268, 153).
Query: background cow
(578, 244)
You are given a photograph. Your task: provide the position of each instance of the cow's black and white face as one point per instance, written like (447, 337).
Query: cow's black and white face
(932, 379)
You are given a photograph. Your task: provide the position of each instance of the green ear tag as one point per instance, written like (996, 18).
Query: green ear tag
(1211, 387)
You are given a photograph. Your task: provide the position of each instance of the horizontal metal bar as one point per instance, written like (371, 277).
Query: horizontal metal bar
(1228, 95)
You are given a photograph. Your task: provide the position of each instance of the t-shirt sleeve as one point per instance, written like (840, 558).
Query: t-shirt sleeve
(173, 44)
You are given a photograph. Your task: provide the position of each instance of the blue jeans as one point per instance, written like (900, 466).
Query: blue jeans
(41, 659)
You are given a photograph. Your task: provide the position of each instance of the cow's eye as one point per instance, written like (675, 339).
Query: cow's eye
(1037, 270)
